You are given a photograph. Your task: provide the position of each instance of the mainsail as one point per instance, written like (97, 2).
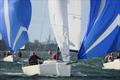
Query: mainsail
(103, 32)
(15, 16)
(78, 13)
(59, 23)
(74, 21)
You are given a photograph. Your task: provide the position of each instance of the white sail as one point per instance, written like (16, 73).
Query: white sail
(78, 12)
(59, 22)
(23, 47)
(0, 36)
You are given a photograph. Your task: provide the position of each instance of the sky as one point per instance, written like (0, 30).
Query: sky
(40, 27)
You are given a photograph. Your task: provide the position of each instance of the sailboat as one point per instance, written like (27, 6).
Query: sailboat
(15, 39)
(97, 37)
(53, 67)
(11, 57)
(14, 24)
(112, 65)
(65, 18)
(8, 58)
(103, 33)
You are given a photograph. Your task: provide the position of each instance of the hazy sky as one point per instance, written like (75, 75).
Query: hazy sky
(40, 24)
(40, 27)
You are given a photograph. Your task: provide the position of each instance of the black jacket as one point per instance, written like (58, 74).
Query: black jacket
(33, 60)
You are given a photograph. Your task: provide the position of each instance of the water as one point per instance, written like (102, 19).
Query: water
(84, 70)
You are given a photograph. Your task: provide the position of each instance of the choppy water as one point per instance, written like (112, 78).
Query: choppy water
(84, 70)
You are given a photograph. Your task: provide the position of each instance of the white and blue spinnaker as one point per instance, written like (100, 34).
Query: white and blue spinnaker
(103, 34)
(15, 16)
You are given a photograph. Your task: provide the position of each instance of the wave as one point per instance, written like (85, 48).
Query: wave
(12, 74)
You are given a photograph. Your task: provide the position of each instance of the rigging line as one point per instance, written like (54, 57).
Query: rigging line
(72, 62)
(49, 35)
(28, 44)
(42, 23)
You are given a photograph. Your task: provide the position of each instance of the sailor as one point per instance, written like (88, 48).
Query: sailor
(5, 53)
(118, 56)
(9, 53)
(58, 53)
(52, 55)
(19, 56)
(34, 59)
(109, 58)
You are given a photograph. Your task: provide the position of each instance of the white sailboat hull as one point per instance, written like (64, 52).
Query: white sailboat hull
(48, 68)
(8, 58)
(112, 65)
(31, 70)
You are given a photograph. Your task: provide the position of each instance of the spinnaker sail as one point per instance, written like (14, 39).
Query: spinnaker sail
(103, 36)
(15, 16)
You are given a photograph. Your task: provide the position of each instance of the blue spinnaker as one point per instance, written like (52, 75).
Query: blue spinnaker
(94, 10)
(15, 16)
(104, 34)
